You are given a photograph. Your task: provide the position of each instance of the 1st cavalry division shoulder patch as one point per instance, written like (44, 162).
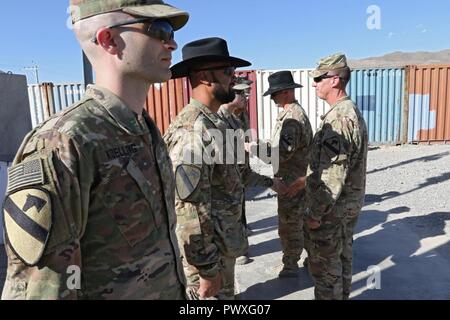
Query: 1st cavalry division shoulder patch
(27, 212)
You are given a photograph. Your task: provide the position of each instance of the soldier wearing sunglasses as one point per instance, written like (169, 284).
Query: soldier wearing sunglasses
(335, 187)
(209, 191)
(89, 211)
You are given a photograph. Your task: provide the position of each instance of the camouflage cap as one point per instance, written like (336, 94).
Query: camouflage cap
(83, 9)
(241, 84)
(336, 62)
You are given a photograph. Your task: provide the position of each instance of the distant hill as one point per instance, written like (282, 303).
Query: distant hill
(399, 59)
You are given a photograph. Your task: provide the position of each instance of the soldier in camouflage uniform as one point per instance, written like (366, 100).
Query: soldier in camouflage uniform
(209, 190)
(292, 138)
(336, 182)
(235, 115)
(89, 211)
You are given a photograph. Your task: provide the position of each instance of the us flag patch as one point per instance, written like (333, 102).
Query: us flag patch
(25, 174)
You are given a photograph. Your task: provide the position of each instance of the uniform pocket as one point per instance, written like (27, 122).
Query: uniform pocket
(126, 200)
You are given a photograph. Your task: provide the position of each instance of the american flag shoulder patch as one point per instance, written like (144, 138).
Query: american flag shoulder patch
(26, 174)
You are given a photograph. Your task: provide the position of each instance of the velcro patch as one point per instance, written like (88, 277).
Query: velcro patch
(289, 135)
(26, 174)
(28, 221)
(187, 178)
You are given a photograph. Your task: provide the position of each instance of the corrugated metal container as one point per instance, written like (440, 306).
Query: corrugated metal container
(48, 98)
(306, 96)
(166, 100)
(379, 94)
(429, 104)
(3, 181)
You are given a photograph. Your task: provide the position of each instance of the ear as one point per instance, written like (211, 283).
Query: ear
(336, 82)
(105, 39)
(205, 78)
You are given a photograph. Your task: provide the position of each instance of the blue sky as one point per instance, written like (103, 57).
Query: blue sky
(282, 34)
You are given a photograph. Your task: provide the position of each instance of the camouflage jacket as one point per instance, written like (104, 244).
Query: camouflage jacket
(90, 208)
(291, 140)
(240, 124)
(337, 173)
(209, 193)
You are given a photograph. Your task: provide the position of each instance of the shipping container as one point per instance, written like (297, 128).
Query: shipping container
(306, 96)
(429, 104)
(380, 95)
(3, 183)
(164, 101)
(48, 98)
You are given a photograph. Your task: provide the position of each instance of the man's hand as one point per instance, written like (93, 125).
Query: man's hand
(296, 187)
(209, 287)
(313, 224)
(251, 148)
(279, 186)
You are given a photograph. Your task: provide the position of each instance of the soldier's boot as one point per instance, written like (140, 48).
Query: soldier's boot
(243, 260)
(288, 272)
(290, 267)
(248, 231)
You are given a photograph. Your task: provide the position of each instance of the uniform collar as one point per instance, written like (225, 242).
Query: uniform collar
(206, 111)
(123, 116)
(334, 106)
(285, 111)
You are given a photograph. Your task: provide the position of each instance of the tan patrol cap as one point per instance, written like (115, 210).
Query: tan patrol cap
(83, 9)
(336, 62)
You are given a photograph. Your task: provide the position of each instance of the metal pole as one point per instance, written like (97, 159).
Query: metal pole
(87, 71)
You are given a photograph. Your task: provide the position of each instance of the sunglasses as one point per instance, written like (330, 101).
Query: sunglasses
(319, 79)
(160, 29)
(227, 70)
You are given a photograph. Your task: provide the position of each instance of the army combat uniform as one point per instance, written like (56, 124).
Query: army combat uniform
(89, 211)
(240, 124)
(209, 198)
(292, 138)
(335, 196)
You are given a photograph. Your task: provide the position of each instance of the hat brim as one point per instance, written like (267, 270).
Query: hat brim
(182, 68)
(281, 88)
(318, 73)
(177, 17)
(241, 87)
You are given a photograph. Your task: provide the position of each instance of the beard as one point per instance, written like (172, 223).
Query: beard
(223, 96)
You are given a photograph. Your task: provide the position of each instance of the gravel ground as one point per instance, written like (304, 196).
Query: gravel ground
(407, 196)
(404, 229)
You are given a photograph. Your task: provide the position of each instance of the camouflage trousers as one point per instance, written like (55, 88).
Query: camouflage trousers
(290, 230)
(330, 256)
(227, 266)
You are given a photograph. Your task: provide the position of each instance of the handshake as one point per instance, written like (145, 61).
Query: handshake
(290, 191)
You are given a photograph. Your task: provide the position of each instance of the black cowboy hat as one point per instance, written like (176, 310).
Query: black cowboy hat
(205, 50)
(280, 81)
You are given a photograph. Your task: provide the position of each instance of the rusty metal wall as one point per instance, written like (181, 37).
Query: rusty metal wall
(165, 101)
(429, 104)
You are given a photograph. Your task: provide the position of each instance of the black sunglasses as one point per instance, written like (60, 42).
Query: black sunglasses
(227, 70)
(319, 79)
(160, 29)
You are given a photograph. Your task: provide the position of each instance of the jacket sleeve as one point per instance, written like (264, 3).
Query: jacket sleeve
(195, 226)
(62, 197)
(329, 168)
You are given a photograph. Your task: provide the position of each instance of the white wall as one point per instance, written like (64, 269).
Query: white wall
(306, 96)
